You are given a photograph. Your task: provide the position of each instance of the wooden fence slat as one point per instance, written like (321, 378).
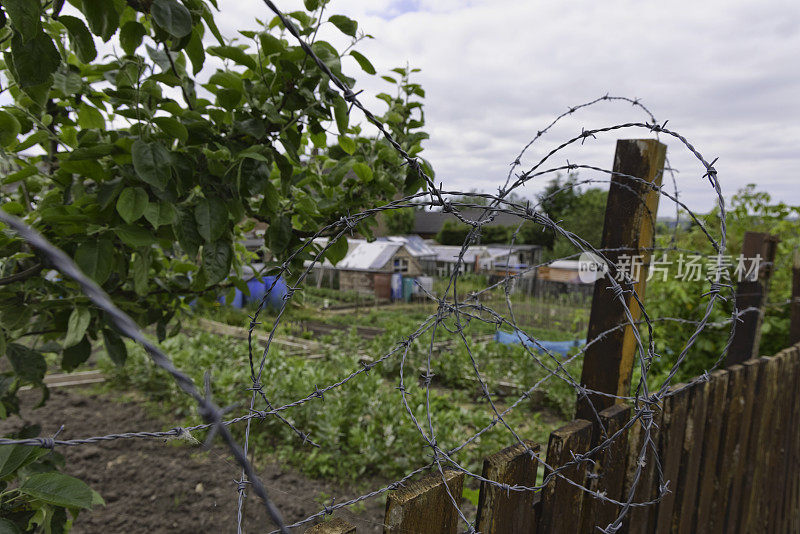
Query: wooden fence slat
(501, 512)
(737, 454)
(640, 520)
(785, 423)
(709, 483)
(774, 480)
(755, 446)
(689, 475)
(793, 509)
(334, 526)
(424, 507)
(766, 455)
(608, 469)
(670, 449)
(561, 501)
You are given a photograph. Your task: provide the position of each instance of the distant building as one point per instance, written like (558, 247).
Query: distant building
(369, 267)
(428, 223)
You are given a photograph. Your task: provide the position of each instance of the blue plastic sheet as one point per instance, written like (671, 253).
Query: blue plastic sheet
(560, 347)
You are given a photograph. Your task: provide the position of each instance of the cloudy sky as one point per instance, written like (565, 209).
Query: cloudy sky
(725, 74)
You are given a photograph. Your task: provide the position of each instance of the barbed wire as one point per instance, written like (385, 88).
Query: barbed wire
(454, 311)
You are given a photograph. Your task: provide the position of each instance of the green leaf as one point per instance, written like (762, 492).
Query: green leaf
(237, 55)
(68, 82)
(195, 49)
(34, 60)
(347, 144)
(270, 44)
(89, 117)
(102, 17)
(28, 364)
(365, 64)
(24, 15)
(9, 129)
(141, 270)
(131, 203)
(58, 489)
(172, 16)
(74, 356)
(130, 36)
(279, 234)
(173, 128)
(229, 98)
(346, 25)
(115, 347)
(311, 5)
(134, 236)
(337, 251)
(212, 218)
(188, 237)
(80, 38)
(217, 261)
(151, 162)
(95, 259)
(340, 113)
(12, 457)
(363, 171)
(160, 213)
(77, 324)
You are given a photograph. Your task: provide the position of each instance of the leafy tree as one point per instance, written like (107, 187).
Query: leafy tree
(749, 210)
(146, 165)
(399, 221)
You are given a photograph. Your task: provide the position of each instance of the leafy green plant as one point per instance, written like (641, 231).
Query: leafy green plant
(34, 496)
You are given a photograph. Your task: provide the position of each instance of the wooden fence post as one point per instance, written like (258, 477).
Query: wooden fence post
(628, 230)
(501, 512)
(334, 526)
(424, 507)
(794, 322)
(561, 501)
(751, 293)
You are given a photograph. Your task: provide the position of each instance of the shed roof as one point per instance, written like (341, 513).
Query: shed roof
(369, 256)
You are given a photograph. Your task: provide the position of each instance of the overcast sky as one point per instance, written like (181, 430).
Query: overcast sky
(725, 74)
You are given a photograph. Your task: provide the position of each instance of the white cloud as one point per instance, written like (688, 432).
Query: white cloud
(496, 72)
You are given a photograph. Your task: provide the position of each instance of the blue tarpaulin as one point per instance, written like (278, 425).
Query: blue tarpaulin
(560, 347)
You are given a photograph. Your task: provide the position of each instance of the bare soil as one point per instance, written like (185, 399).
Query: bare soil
(158, 486)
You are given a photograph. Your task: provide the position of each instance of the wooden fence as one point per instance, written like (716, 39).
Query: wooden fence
(728, 447)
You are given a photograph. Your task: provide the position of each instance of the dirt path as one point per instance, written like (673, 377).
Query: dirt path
(157, 486)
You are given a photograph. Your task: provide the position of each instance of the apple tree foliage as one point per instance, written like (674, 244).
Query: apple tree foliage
(144, 143)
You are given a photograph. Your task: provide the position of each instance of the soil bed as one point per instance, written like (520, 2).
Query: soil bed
(158, 486)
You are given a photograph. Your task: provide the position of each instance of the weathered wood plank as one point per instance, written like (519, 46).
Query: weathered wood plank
(709, 482)
(670, 449)
(608, 470)
(793, 506)
(561, 501)
(628, 230)
(754, 449)
(692, 456)
(512, 512)
(641, 519)
(767, 452)
(334, 526)
(794, 316)
(735, 459)
(424, 506)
